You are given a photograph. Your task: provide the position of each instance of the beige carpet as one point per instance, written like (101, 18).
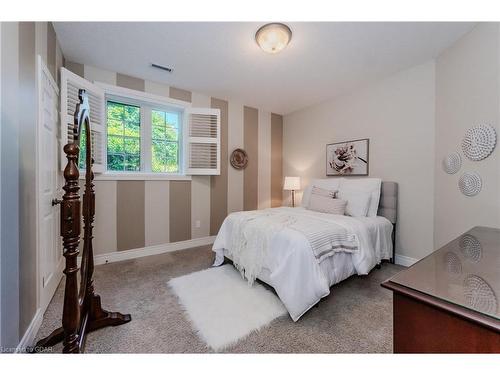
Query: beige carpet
(355, 318)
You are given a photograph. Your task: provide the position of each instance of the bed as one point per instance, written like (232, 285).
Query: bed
(300, 271)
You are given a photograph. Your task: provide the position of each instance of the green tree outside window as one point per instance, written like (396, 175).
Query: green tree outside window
(124, 137)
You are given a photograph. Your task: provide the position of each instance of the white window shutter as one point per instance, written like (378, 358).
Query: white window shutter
(202, 141)
(70, 84)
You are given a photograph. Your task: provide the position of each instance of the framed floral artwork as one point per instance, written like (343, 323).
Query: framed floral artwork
(348, 158)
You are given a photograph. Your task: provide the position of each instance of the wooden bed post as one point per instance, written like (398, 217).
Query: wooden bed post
(82, 311)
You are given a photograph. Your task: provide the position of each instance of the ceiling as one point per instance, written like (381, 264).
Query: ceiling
(322, 61)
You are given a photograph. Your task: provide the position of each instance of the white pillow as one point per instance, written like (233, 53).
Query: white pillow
(324, 192)
(324, 183)
(358, 202)
(327, 205)
(368, 185)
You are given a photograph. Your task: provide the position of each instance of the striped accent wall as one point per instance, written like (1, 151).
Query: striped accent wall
(180, 192)
(218, 184)
(129, 82)
(172, 211)
(130, 202)
(180, 210)
(200, 187)
(276, 160)
(251, 145)
(235, 140)
(264, 160)
(156, 212)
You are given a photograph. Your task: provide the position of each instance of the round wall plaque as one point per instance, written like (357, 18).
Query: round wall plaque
(479, 142)
(470, 183)
(452, 163)
(239, 159)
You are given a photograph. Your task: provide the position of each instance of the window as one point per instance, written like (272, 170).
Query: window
(138, 135)
(142, 138)
(124, 137)
(165, 142)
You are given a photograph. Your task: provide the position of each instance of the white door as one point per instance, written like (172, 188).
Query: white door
(50, 259)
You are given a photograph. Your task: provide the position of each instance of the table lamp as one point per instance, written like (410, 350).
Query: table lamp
(292, 183)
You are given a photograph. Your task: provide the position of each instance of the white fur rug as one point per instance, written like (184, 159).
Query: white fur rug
(222, 307)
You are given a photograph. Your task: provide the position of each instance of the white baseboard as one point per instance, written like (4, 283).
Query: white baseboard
(403, 260)
(117, 256)
(30, 334)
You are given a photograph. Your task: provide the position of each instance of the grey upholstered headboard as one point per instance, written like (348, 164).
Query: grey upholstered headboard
(388, 205)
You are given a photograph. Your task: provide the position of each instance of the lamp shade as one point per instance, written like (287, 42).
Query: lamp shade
(292, 183)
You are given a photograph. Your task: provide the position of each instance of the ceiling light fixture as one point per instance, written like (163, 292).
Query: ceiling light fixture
(273, 37)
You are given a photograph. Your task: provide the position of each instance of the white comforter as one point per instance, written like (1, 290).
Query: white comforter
(290, 266)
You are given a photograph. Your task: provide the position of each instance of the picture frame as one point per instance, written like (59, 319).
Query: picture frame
(348, 158)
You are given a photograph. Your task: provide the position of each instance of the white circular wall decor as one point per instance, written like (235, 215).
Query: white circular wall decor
(452, 163)
(470, 183)
(479, 142)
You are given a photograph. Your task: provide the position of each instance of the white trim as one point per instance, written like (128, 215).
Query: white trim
(134, 176)
(146, 139)
(403, 260)
(30, 334)
(118, 256)
(142, 96)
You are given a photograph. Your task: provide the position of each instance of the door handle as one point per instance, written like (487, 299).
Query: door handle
(56, 201)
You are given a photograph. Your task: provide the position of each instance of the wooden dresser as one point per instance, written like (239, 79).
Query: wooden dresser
(449, 302)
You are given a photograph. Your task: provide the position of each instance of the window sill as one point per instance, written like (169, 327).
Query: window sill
(137, 177)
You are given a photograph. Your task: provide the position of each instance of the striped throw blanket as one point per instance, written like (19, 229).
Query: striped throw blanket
(325, 237)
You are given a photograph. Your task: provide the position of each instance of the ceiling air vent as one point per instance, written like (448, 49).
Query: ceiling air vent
(165, 68)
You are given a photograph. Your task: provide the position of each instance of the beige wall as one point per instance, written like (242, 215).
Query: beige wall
(414, 119)
(27, 163)
(171, 211)
(22, 42)
(397, 114)
(467, 94)
(9, 187)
